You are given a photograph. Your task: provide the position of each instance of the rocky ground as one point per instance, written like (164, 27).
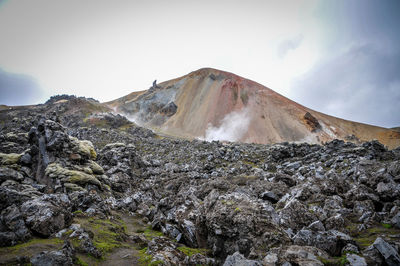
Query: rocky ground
(80, 186)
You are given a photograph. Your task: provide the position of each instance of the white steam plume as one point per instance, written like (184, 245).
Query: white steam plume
(233, 126)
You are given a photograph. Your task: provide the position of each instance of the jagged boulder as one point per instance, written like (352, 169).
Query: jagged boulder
(12, 227)
(10, 174)
(390, 254)
(355, 260)
(11, 196)
(295, 255)
(237, 259)
(235, 222)
(331, 241)
(48, 214)
(295, 215)
(62, 257)
(118, 157)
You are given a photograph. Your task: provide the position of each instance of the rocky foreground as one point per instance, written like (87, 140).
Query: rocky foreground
(84, 187)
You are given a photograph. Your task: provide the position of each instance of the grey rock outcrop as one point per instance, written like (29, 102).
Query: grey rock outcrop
(237, 259)
(47, 214)
(63, 257)
(390, 255)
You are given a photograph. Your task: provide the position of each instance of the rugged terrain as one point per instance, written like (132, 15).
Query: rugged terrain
(216, 105)
(82, 186)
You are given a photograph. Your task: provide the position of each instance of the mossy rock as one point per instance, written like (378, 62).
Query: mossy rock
(87, 147)
(10, 158)
(81, 178)
(73, 187)
(87, 170)
(55, 170)
(97, 169)
(84, 148)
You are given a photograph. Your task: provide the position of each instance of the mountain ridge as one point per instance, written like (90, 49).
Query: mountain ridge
(205, 97)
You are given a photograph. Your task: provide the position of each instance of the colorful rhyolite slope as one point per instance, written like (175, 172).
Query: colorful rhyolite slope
(216, 105)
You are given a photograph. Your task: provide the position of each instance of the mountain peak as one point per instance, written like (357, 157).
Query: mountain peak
(208, 71)
(212, 104)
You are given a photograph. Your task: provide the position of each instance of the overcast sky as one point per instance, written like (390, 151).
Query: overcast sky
(337, 57)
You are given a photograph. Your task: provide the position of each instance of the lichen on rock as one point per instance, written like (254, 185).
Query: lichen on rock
(55, 170)
(10, 158)
(96, 168)
(84, 148)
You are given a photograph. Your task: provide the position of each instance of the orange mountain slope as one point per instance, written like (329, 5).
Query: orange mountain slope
(216, 105)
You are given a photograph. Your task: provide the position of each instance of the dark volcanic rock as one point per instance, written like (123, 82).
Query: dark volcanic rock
(390, 255)
(311, 122)
(270, 196)
(63, 257)
(71, 161)
(331, 241)
(237, 259)
(13, 227)
(47, 214)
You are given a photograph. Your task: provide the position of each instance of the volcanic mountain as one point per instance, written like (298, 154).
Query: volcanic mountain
(215, 105)
(80, 185)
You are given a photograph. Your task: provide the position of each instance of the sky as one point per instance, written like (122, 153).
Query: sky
(338, 57)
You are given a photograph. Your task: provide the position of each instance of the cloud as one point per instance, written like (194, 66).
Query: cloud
(360, 84)
(19, 89)
(285, 46)
(107, 50)
(233, 127)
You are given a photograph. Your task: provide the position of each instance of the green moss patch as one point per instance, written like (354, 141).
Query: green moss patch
(78, 213)
(147, 259)
(79, 261)
(29, 248)
(387, 226)
(149, 233)
(335, 261)
(37, 242)
(192, 251)
(107, 237)
(367, 237)
(107, 234)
